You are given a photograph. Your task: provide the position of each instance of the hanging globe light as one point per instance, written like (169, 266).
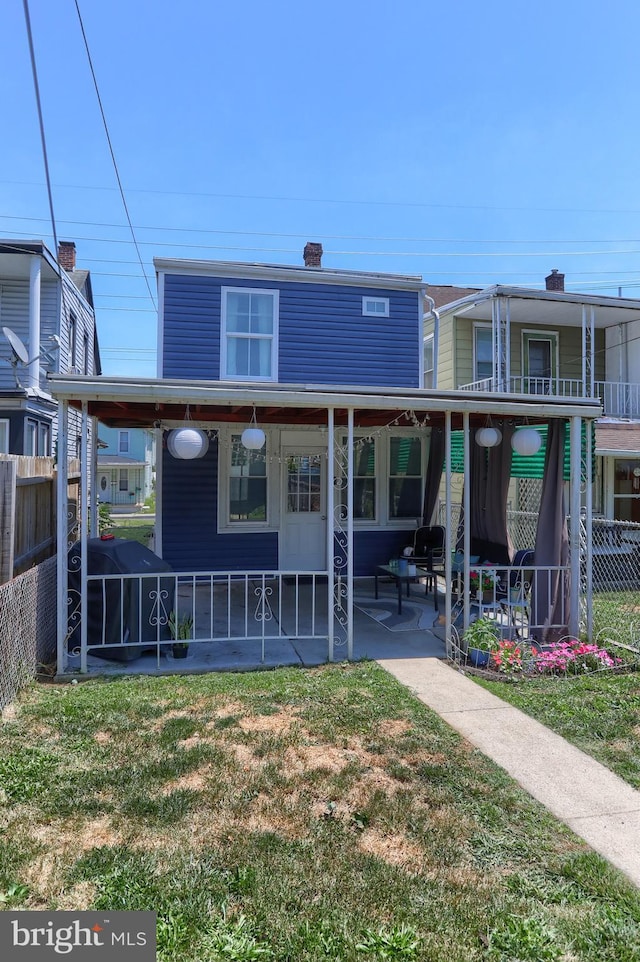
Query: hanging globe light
(253, 437)
(488, 437)
(526, 442)
(187, 443)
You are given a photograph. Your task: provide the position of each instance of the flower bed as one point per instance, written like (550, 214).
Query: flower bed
(573, 657)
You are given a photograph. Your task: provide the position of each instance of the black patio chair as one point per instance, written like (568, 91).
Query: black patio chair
(515, 587)
(428, 551)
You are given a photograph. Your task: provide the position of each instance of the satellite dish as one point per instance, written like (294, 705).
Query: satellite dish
(18, 348)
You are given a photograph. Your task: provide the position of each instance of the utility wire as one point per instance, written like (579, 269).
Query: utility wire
(111, 151)
(367, 237)
(34, 71)
(329, 200)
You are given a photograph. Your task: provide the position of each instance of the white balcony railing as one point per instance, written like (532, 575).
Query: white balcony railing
(619, 399)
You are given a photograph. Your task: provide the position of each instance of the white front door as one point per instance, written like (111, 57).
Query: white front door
(104, 486)
(304, 523)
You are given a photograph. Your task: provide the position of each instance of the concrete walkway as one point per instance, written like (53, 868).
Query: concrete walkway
(597, 805)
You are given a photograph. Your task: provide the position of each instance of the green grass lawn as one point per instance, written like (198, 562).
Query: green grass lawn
(134, 529)
(293, 815)
(599, 712)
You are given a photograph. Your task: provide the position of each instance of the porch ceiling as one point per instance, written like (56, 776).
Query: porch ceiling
(125, 402)
(547, 308)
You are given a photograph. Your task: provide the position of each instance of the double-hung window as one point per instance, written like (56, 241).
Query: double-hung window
(249, 348)
(364, 479)
(247, 483)
(405, 477)
(123, 442)
(123, 480)
(427, 361)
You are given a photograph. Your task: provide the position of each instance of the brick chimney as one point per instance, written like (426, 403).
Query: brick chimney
(312, 254)
(67, 255)
(554, 280)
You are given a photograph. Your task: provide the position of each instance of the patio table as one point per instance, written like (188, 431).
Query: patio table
(406, 578)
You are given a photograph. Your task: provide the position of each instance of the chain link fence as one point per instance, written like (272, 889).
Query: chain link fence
(27, 627)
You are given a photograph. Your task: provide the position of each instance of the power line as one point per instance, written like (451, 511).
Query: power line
(111, 150)
(325, 236)
(346, 201)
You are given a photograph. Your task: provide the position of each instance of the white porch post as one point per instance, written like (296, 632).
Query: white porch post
(466, 509)
(93, 507)
(82, 521)
(574, 607)
(62, 510)
(350, 534)
(330, 527)
(588, 521)
(448, 539)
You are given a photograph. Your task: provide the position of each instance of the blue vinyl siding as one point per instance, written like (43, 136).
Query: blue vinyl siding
(190, 541)
(372, 548)
(323, 337)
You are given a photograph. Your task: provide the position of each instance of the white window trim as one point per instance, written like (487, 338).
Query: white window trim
(478, 325)
(540, 334)
(379, 300)
(382, 521)
(274, 336)
(124, 434)
(425, 340)
(225, 525)
(6, 423)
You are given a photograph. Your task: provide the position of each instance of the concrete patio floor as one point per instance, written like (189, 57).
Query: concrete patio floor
(371, 640)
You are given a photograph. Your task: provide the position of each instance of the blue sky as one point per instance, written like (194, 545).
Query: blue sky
(468, 143)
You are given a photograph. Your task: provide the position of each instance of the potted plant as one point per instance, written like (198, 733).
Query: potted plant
(181, 629)
(481, 638)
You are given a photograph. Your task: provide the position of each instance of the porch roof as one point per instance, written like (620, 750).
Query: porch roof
(156, 402)
(540, 308)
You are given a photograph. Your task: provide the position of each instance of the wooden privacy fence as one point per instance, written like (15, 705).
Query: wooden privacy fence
(28, 511)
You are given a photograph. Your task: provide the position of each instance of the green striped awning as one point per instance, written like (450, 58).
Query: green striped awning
(533, 465)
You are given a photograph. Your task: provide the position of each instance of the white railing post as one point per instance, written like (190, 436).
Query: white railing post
(330, 528)
(62, 508)
(448, 540)
(576, 443)
(466, 508)
(83, 509)
(350, 535)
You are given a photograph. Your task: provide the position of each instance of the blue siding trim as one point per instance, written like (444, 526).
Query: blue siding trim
(323, 336)
(190, 541)
(372, 548)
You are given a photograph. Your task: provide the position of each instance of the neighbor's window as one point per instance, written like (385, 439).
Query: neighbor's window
(247, 483)
(249, 348)
(364, 479)
(123, 442)
(123, 483)
(85, 354)
(482, 352)
(375, 306)
(427, 361)
(405, 477)
(31, 437)
(73, 341)
(4, 436)
(44, 439)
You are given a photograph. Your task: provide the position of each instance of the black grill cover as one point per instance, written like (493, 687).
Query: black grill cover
(117, 615)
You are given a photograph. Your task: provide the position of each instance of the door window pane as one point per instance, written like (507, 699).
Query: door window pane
(303, 483)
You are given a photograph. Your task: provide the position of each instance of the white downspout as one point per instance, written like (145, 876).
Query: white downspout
(330, 531)
(350, 535)
(436, 337)
(34, 322)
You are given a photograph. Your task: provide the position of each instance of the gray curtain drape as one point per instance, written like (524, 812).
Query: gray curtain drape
(488, 475)
(435, 466)
(550, 595)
